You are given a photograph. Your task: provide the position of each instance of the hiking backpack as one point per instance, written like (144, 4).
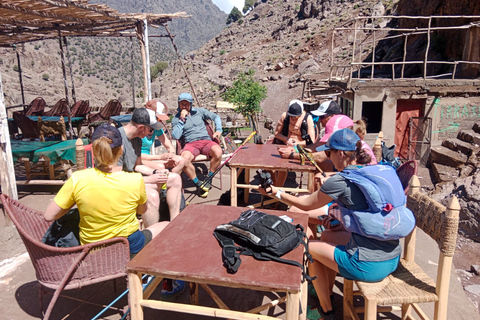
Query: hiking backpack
(387, 217)
(264, 236)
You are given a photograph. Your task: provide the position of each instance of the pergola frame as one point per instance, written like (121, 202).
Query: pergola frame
(24, 21)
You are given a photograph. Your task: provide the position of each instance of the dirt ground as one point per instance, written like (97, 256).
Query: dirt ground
(19, 287)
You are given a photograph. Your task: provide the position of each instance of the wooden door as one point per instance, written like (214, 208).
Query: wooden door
(406, 109)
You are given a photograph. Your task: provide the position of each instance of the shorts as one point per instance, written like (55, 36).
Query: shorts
(199, 147)
(138, 240)
(351, 268)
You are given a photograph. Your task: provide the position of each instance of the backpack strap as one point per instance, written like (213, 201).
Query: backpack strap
(230, 257)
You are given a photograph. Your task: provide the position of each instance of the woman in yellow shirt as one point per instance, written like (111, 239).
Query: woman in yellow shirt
(108, 199)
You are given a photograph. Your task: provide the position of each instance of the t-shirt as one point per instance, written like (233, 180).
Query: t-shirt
(107, 202)
(369, 151)
(351, 196)
(131, 151)
(148, 141)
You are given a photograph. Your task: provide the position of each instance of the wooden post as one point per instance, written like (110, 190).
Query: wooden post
(425, 62)
(64, 70)
(377, 147)
(142, 35)
(20, 76)
(133, 73)
(80, 154)
(8, 183)
(74, 96)
(409, 247)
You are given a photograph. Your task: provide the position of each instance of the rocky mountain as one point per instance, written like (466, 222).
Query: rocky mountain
(206, 20)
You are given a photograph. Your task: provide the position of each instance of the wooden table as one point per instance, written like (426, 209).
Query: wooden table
(264, 156)
(187, 250)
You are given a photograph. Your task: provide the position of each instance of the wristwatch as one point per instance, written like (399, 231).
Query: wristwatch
(278, 195)
(291, 156)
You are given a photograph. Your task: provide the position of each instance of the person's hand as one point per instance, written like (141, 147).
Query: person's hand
(327, 222)
(216, 135)
(183, 113)
(291, 142)
(160, 177)
(270, 191)
(320, 179)
(285, 152)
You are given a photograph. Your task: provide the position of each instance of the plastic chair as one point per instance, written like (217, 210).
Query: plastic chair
(409, 285)
(406, 171)
(65, 268)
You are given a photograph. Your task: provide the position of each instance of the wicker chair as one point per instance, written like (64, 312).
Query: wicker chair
(65, 268)
(28, 127)
(81, 108)
(406, 171)
(60, 109)
(409, 285)
(112, 108)
(36, 107)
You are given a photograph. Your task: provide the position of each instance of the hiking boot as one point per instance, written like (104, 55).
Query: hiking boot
(172, 289)
(202, 191)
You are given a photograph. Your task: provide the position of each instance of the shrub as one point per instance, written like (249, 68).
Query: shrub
(15, 68)
(234, 15)
(45, 76)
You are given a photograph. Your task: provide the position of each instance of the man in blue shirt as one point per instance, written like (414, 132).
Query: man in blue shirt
(189, 124)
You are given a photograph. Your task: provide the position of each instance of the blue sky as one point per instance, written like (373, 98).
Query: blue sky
(227, 5)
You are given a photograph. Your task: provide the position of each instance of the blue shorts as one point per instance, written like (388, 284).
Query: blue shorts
(138, 240)
(351, 268)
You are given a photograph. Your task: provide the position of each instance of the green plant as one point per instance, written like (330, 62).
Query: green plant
(15, 68)
(45, 76)
(234, 15)
(222, 51)
(249, 4)
(247, 94)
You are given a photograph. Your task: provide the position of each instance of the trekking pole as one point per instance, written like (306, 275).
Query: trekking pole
(304, 154)
(210, 177)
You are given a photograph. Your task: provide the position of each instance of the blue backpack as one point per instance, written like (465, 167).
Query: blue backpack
(386, 218)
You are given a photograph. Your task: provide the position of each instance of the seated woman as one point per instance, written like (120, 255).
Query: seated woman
(108, 198)
(352, 255)
(294, 127)
(361, 131)
(167, 160)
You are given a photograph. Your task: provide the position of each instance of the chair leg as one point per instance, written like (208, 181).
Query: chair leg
(347, 299)
(370, 308)
(41, 291)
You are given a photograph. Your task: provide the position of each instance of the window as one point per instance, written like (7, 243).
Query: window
(372, 112)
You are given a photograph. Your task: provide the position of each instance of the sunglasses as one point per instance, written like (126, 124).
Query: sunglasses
(329, 152)
(322, 117)
(150, 129)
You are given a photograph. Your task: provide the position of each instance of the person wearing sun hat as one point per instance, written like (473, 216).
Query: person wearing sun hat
(142, 122)
(169, 159)
(189, 125)
(108, 198)
(325, 111)
(352, 255)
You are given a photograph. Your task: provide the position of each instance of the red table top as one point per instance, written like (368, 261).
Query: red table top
(186, 249)
(266, 156)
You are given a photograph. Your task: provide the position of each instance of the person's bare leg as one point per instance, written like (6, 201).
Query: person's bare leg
(216, 155)
(174, 194)
(156, 228)
(188, 168)
(153, 199)
(180, 164)
(281, 178)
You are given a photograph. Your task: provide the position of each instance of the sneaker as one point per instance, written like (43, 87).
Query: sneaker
(172, 289)
(316, 313)
(207, 184)
(202, 191)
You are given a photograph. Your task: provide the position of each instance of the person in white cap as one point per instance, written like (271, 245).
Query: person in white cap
(169, 159)
(143, 120)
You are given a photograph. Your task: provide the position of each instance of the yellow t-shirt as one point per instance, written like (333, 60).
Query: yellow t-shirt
(107, 202)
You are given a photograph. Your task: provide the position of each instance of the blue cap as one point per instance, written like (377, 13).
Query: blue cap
(343, 139)
(112, 134)
(185, 96)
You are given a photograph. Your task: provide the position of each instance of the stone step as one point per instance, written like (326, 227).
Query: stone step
(459, 145)
(476, 127)
(445, 156)
(443, 173)
(469, 136)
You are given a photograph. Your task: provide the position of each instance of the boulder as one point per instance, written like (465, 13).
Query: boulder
(443, 173)
(445, 156)
(469, 136)
(459, 145)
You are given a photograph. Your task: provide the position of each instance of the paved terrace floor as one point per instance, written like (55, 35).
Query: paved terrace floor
(18, 286)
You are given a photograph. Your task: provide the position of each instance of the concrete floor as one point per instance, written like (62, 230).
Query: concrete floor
(19, 298)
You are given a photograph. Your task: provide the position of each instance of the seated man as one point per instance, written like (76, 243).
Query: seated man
(169, 159)
(189, 124)
(143, 120)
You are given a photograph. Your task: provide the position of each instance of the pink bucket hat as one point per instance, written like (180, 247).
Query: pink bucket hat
(336, 123)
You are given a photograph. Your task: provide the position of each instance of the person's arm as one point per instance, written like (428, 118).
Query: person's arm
(54, 212)
(177, 127)
(315, 200)
(216, 119)
(279, 129)
(166, 143)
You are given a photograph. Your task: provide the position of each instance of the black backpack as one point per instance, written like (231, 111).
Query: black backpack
(264, 236)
